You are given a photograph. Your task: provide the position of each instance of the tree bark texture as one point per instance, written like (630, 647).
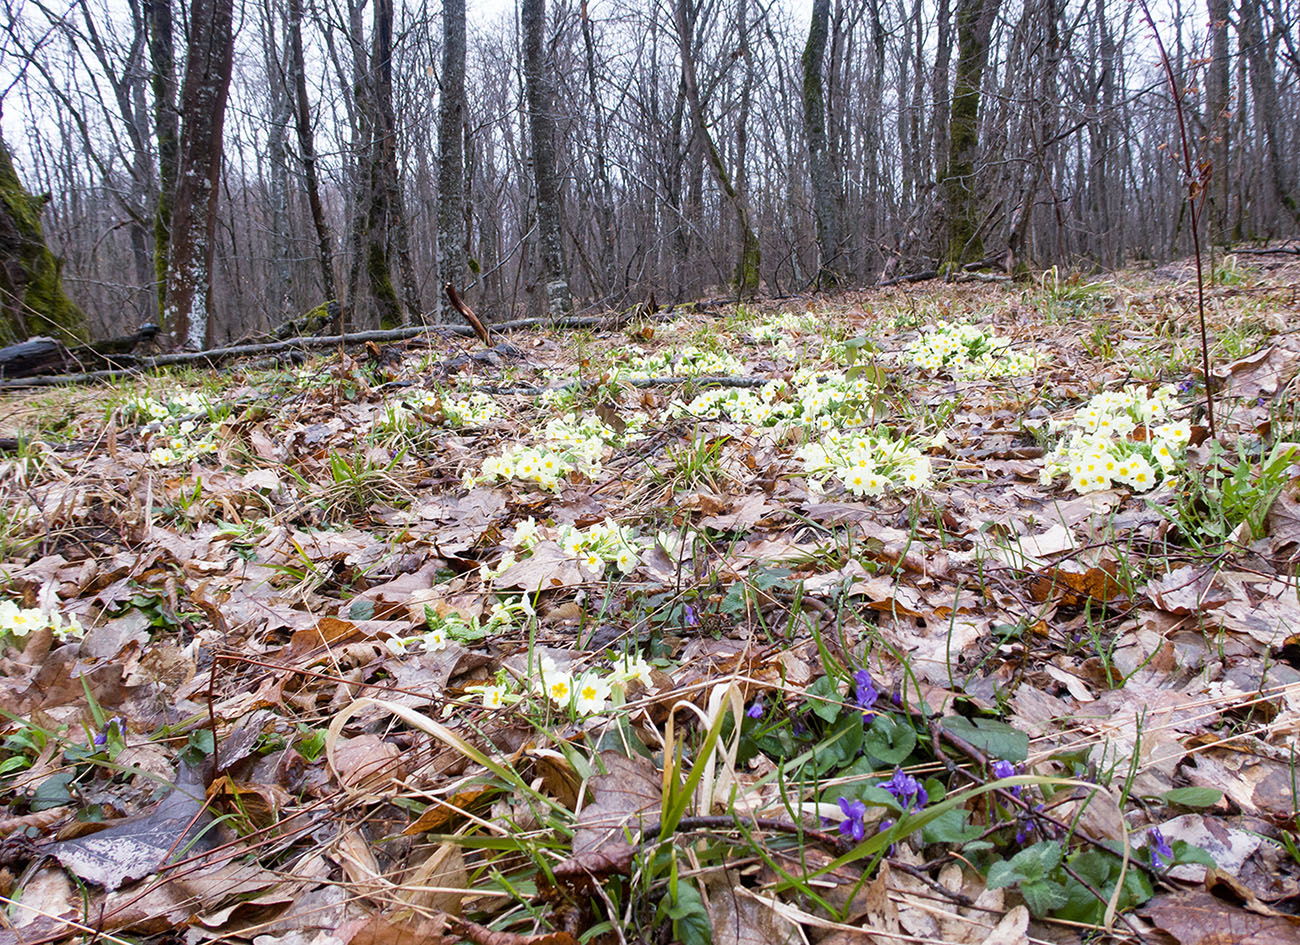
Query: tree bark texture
(162, 76)
(819, 165)
(542, 131)
(187, 310)
(963, 242)
(1217, 120)
(307, 154)
(747, 269)
(32, 300)
(451, 151)
(1263, 87)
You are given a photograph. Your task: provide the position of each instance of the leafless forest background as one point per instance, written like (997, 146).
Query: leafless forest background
(687, 147)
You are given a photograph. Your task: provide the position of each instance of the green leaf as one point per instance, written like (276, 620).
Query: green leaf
(362, 610)
(996, 739)
(1193, 796)
(1029, 865)
(824, 699)
(201, 741)
(52, 792)
(952, 826)
(840, 745)
(1184, 852)
(1101, 870)
(691, 924)
(1043, 896)
(889, 740)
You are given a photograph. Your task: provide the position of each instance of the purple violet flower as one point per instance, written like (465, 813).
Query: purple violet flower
(852, 825)
(1024, 830)
(906, 790)
(1005, 769)
(1162, 854)
(864, 694)
(755, 711)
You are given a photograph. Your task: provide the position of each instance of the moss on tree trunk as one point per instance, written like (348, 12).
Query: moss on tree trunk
(32, 301)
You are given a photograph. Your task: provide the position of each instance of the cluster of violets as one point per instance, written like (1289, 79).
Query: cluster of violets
(598, 548)
(866, 466)
(818, 400)
(968, 350)
(17, 622)
(1120, 437)
(471, 410)
(908, 791)
(176, 435)
(567, 444)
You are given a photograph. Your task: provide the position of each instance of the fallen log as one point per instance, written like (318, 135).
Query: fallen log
(214, 356)
(33, 356)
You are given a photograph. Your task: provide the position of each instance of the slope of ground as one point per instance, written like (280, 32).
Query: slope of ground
(932, 614)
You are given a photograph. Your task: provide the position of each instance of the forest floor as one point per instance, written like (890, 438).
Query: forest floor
(926, 614)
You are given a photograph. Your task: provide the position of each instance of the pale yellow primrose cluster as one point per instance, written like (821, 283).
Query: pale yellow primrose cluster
(865, 465)
(1119, 437)
(568, 443)
(819, 400)
(18, 622)
(597, 548)
(471, 411)
(176, 437)
(585, 693)
(690, 361)
(970, 351)
(777, 331)
(442, 630)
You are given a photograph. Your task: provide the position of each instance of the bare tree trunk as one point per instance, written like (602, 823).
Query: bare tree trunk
(819, 166)
(942, 105)
(1218, 89)
(451, 155)
(187, 312)
(541, 124)
(747, 269)
(961, 208)
(605, 210)
(281, 109)
(307, 154)
(162, 62)
(1263, 87)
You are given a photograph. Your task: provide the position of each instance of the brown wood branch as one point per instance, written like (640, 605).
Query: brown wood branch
(467, 313)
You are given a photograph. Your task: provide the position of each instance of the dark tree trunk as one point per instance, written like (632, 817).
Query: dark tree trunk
(819, 165)
(451, 154)
(942, 106)
(1218, 108)
(747, 269)
(187, 311)
(162, 65)
(307, 153)
(961, 205)
(542, 131)
(32, 300)
(605, 209)
(1263, 87)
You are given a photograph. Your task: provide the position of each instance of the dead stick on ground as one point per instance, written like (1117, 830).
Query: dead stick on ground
(467, 313)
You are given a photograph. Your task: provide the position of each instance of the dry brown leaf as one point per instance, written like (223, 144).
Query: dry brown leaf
(1198, 918)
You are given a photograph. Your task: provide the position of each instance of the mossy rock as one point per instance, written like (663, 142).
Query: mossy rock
(32, 300)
